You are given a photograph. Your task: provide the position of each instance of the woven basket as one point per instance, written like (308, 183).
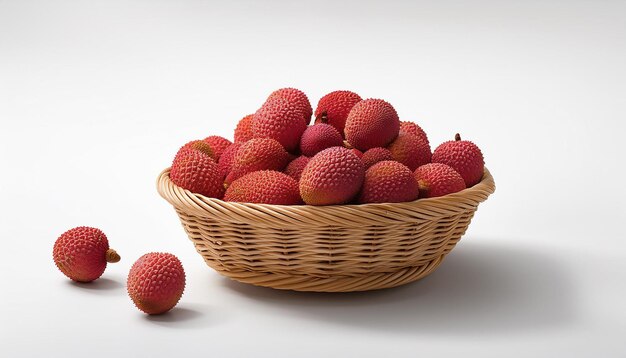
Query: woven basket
(337, 248)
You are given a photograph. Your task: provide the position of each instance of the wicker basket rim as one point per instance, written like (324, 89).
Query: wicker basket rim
(176, 195)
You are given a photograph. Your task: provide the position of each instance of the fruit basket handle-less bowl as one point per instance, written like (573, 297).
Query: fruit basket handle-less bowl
(336, 248)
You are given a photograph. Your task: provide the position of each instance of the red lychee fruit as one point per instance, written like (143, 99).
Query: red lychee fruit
(297, 98)
(226, 160)
(463, 156)
(410, 150)
(332, 176)
(436, 179)
(280, 120)
(375, 155)
(156, 282)
(257, 154)
(218, 145)
(357, 152)
(198, 173)
(82, 253)
(319, 137)
(243, 131)
(295, 167)
(264, 187)
(388, 182)
(334, 107)
(372, 123)
(413, 128)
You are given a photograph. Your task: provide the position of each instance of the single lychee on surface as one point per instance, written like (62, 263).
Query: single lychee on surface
(410, 150)
(82, 253)
(257, 154)
(334, 108)
(332, 176)
(415, 129)
(436, 179)
(388, 182)
(156, 282)
(297, 98)
(463, 156)
(280, 120)
(198, 173)
(319, 137)
(295, 167)
(372, 123)
(375, 155)
(218, 145)
(243, 131)
(264, 187)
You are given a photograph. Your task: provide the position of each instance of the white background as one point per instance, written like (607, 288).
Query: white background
(96, 97)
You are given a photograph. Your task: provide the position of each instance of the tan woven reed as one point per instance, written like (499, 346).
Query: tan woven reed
(325, 248)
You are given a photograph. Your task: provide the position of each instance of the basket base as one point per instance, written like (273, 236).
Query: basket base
(334, 284)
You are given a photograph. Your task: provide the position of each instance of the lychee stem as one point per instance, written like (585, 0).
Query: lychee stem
(457, 137)
(347, 145)
(323, 117)
(112, 256)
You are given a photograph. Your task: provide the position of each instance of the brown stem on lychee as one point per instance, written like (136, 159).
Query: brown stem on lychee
(226, 186)
(457, 137)
(322, 118)
(347, 145)
(112, 256)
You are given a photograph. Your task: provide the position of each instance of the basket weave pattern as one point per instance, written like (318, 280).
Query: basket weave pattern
(332, 248)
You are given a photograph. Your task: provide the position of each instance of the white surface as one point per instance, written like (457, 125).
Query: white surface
(96, 97)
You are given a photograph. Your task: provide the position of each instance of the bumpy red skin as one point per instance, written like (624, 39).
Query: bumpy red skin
(280, 120)
(156, 282)
(295, 167)
(357, 152)
(257, 154)
(413, 128)
(243, 131)
(334, 107)
(436, 179)
(371, 123)
(319, 137)
(410, 150)
(80, 253)
(388, 182)
(333, 176)
(264, 187)
(375, 155)
(218, 145)
(226, 160)
(297, 98)
(198, 173)
(463, 156)
(196, 145)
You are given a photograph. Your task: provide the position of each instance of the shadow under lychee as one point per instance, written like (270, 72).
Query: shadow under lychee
(177, 315)
(99, 285)
(478, 289)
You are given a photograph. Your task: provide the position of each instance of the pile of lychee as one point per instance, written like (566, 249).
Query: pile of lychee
(357, 151)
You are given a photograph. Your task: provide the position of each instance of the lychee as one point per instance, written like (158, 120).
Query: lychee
(156, 282)
(295, 167)
(357, 152)
(82, 253)
(375, 155)
(297, 98)
(218, 145)
(388, 182)
(196, 145)
(319, 137)
(410, 150)
(413, 128)
(371, 123)
(463, 156)
(332, 176)
(436, 179)
(198, 173)
(226, 160)
(243, 131)
(264, 187)
(257, 154)
(278, 119)
(334, 107)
